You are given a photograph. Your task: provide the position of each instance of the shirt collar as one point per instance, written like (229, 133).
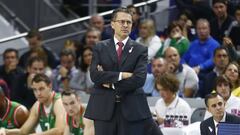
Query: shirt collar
(124, 41)
(174, 103)
(223, 120)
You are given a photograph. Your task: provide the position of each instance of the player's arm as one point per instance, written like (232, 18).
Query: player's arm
(29, 125)
(88, 127)
(21, 115)
(66, 130)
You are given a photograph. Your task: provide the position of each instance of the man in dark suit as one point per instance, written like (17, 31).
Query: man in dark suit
(216, 106)
(117, 103)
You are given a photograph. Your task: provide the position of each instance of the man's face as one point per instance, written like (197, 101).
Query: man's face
(92, 38)
(158, 67)
(203, 30)
(221, 59)
(216, 106)
(34, 42)
(172, 56)
(220, 10)
(237, 15)
(97, 22)
(67, 61)
(122, 25)
(223, 89)
(134, 14)
(71, 104)
(11, 59)
(42, 91)
(36, 67)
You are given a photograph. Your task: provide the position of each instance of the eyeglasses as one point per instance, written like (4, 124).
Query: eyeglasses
(122, 22)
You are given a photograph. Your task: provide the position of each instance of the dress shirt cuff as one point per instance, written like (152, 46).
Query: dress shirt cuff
(120, 76)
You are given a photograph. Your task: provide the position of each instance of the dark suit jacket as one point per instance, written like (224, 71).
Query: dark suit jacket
(102, 100)
(208, 124)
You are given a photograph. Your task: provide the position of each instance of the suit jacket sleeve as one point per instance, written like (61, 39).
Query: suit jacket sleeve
(101, 77)
(139, 73)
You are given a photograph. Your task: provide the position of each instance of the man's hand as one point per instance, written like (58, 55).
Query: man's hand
(63, 71)
(160, 120)
(100, 68)
(227, 42)
(126, 75)
(196, 69)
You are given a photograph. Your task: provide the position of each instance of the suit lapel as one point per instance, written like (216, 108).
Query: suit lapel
(112, 50)
(212, 126)
(127, 48)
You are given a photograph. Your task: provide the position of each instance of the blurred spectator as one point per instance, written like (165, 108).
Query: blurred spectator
(136, 20)
(22, 84)
(222, 21)
(65, 71)
(221, 60)
(35, 40)
(200, 8)
(232, 71)
(10, 69)
(223, 87)
(233, 53)
(188, 79)
(148, 37)
(158, 66)
(187, 21)
(176, 38)
(98, 22)
(82, 81)
(233, 31)
(170, 103)
(93, 36)
(200, 53)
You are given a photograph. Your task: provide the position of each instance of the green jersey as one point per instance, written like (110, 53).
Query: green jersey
(73, 128)
(9, 118)
(47, 121)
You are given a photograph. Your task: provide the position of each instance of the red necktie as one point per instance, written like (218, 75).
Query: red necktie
(119, 51)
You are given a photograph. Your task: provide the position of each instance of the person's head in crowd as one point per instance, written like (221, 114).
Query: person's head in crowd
(221, 58)
(39, 52)
(167, 85)
(203, 29)
(175, 30)
(220, 8)
(93, 36)
(232, 72)
(42, 87)
(186, 18)
(223, 87)
(10, 59)
(121, 23)
(147, 29)
(97, 21)
(70, 44)
(86, 58)
(135, 13)
(36, 65)
(71, 102)
(237, 13)
(172, 57)
(215, 105)
(34, 38)
(67, 59)
(158, 66)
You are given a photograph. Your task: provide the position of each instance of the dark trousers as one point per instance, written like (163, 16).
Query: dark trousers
(118, 125)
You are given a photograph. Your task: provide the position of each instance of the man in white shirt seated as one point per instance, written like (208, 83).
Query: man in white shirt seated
(223, 88)
(216, 106)
(170, 103)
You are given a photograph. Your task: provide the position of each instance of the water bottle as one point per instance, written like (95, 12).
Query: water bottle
(185, 120)
(167, 121)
